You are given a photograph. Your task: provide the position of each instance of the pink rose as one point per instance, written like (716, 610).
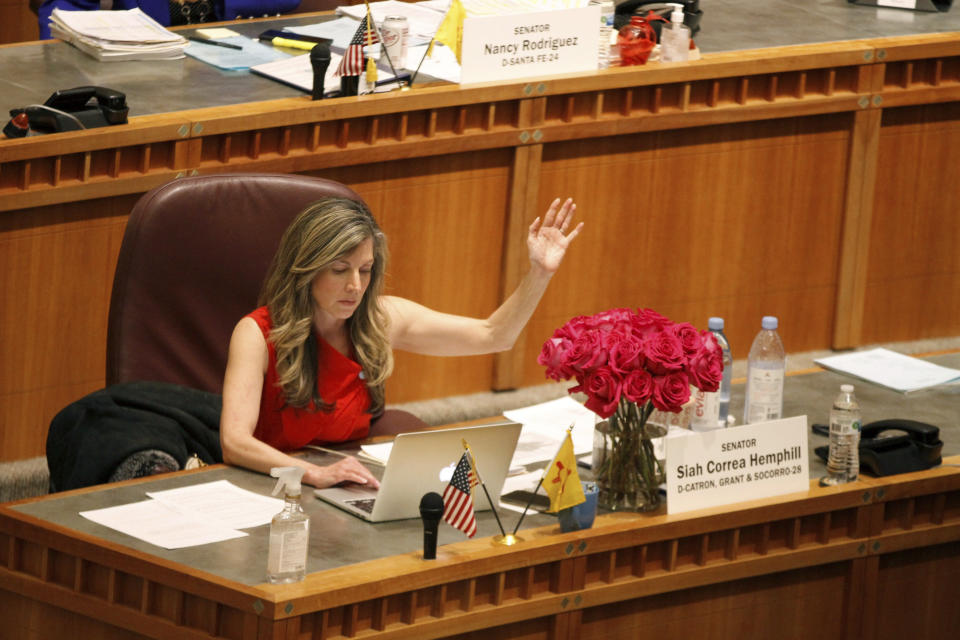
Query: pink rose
(603, 391)
(573, 329)
(671, 392)
(625, 352)
(706, 366)
(689, 338)
(586, 353)
(646, 321)
(610, 320)
(664, 352)
(638, 386)
(553, 357)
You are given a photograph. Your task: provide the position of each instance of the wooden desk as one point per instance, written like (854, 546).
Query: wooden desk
(817, 183)
(876, 559)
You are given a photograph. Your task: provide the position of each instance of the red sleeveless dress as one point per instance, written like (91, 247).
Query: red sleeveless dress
(340, 383)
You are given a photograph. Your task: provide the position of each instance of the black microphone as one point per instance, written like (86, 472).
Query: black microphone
(431, 508)
(319, 60)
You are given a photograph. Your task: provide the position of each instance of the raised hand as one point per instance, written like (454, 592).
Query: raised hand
(547, 241)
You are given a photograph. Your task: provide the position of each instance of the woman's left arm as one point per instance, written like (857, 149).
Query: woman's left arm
(419, 329)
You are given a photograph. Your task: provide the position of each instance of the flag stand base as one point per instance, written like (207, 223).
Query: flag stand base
(507, 540)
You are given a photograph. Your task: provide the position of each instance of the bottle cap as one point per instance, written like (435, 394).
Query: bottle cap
(715, 324)
(846, 388)
(769, 322)
(676, 16)
(288, 480)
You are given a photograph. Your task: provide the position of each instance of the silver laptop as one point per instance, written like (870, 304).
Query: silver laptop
(424, 461)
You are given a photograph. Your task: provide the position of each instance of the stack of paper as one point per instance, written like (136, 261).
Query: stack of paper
(117, 35)
(190, 516)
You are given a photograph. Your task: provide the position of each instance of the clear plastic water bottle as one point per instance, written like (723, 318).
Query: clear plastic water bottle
(715, 325)
(766, 368)
(606, 32)
(843, 463)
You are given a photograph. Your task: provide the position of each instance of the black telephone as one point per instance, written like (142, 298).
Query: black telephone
(888, 447)
(629, 8)
(72, 110)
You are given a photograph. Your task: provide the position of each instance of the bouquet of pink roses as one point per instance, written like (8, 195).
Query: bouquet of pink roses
(629, 363)
(638, 356)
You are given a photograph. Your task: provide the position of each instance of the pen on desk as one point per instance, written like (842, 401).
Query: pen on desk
(214, 42)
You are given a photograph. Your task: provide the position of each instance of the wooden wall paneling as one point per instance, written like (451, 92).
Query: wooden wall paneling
(913, 289)
(524, 184)
(744, 100)
(443, 218)
(17, 22)
(857, 217)
(56, 270)
(673, 224)
(916, 593)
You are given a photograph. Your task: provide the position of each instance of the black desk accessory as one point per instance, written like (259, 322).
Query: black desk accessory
(320, 61)
(76, 109)
(270, 34)
(349, 85)
(431, 509)
(889, 447)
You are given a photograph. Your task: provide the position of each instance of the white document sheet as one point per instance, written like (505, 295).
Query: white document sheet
(891, 369)
(297, 72)
(544, 426)
(422, 22)
(340, 31)
(161, 525)
(222, 502)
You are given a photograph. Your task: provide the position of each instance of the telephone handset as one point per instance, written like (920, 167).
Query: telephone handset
(72, 110)
(888, 447)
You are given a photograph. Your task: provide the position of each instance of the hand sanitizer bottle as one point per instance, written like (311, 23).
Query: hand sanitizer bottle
(289, 530)
(675, 38)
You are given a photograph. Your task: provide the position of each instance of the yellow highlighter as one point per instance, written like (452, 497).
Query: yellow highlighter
(293, 44)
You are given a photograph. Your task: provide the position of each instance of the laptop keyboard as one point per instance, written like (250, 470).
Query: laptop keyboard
(364, 504)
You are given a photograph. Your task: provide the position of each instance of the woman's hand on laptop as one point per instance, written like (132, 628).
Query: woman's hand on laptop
(349, 469)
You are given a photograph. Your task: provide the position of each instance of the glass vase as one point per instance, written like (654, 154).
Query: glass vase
(627, 471)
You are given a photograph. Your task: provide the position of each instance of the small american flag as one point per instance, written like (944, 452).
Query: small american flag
(458, 498)
(352, 62)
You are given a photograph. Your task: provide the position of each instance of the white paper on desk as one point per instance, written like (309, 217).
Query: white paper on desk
(222, 502)
(891, 369)
(131, 26)
(340, 31)
(380, 452)
(442, 65)
(423, 22)
(544, 426)
(297, 72)
(155, 522)
(251, 53)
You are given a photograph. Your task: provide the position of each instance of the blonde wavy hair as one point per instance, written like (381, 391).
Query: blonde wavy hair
(324, 232)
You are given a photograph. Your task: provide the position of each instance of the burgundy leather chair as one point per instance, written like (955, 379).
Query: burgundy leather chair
(193, 258)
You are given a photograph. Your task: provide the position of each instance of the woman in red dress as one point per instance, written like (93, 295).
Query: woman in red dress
(309, 365)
